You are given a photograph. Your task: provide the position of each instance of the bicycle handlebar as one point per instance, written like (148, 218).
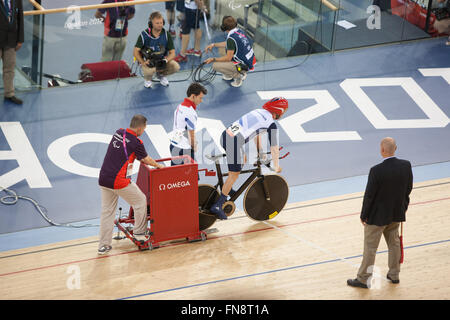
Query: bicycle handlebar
(282, 157)
(268, 161)
(210, 173)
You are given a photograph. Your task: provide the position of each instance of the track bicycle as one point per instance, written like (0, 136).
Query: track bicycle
(265, 194)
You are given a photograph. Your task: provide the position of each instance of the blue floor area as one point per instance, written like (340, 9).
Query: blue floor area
(60, 135)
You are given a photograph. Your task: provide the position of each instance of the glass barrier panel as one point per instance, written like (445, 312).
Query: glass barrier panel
(78, 48)
(24, 56)
(74, 46)
(371, 22)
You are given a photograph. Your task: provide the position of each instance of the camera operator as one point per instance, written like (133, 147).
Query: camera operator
(116, 30)
(239, 57)
(155, 52)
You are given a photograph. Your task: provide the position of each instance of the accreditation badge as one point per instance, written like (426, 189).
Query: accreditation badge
(129, 170)
(120, 24)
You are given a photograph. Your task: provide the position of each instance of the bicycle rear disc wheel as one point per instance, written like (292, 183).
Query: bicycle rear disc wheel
(207, 196)
(256, 206)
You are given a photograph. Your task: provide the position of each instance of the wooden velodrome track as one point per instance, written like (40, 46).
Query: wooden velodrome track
(307, 252)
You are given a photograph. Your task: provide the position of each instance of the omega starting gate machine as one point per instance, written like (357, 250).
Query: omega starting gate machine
(172, 203)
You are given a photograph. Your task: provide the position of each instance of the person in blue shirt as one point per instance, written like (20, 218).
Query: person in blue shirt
(239, 57)
(160, 44)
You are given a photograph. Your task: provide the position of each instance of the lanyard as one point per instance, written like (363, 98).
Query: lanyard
(7, 4)
(124, 144)
(117, 9)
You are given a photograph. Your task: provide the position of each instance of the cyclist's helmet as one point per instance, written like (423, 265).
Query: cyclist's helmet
(278, 105)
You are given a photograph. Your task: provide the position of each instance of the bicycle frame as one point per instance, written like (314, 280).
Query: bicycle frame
(255, 173)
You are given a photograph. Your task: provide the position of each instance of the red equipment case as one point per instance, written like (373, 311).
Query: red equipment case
(172, 199)
(106, 70)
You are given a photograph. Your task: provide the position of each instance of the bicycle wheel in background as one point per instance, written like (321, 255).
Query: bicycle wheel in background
(256, 206)
(207, 196)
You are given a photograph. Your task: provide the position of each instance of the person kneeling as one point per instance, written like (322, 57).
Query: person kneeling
(155, 52)
(239, 57)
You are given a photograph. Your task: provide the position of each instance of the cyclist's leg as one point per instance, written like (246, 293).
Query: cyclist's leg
(231, 179)
(232, 146)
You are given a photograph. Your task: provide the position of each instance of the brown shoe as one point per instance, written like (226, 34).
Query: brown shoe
(14, 100)
(356, 283)
(393, 281)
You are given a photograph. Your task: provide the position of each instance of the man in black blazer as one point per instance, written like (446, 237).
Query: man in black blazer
(386, 200)
(11, 39)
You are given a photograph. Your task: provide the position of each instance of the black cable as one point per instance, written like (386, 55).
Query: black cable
(203, 76)
(13, 198)
(188, 77)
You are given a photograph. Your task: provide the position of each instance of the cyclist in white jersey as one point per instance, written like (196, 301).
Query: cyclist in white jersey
(182, 138)
(249, 126)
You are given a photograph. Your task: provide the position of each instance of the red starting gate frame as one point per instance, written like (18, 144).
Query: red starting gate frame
(172, 203)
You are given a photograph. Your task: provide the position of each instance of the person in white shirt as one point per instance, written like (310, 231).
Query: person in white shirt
(182, 137)
(249, 126)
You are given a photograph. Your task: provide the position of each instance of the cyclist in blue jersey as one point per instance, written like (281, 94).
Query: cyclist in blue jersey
(249, 126)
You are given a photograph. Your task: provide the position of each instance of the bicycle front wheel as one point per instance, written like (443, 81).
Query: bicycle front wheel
(256, 204)
(207, 196)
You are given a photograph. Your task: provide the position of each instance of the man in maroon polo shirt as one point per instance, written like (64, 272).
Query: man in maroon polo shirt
(115, 181)
(116, 29)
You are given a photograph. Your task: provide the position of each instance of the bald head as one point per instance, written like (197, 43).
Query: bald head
(388, 147)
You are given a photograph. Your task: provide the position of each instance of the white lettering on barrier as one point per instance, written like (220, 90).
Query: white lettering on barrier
(293, 124)
(29, 167)
(374, 20)
(73, 21)
(436, 118)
